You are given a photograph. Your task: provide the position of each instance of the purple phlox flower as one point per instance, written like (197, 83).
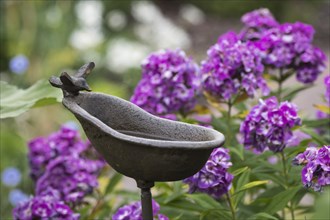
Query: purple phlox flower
(19, 64)
(170, 82)
(133, 211)
(41, 207)
(162, 217)
(256, 22)
(16, 196)
(323, 158)
(65, 142)
(11, 176)
(213, 178)
(289, 46)
(70, 176)
(327, 89)
(233, 66)
(316, 170)
(269, 125)
(320, 114)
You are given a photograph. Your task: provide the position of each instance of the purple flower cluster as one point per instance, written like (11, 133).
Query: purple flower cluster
(320, 114)
(213, 178)
(268, 125)
(170, 82)
(316, 171)
(42, 150)
(256, 22)
(285, 46)
(63, 175)
(44, 207)
(133, 211)
(73, 177)
(327, 89)
(233, 66)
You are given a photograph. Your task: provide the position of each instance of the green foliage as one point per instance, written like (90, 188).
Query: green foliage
(15, 101)
(260, 190)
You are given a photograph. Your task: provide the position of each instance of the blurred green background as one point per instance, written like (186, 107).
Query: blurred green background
(53, 36)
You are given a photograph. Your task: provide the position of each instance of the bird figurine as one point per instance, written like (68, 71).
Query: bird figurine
(73, 84)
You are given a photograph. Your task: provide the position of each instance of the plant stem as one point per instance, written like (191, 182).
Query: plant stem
(284, 168)
(279, 89)
(229, 122)
(286, 177)
(231, 206)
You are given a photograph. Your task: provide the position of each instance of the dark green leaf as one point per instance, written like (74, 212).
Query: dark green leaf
(315, 136)
(251, 185)
(114, 180)
(205, 201)
(238, 150)
(176, 193)
(270, 176)
(281, 200)
(316, 123)
(293, 92)
(243, 179)
(184, 204)
(239, 171)
(213, 214)
(262, 216)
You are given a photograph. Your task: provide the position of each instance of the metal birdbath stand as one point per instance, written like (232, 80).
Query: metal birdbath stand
(132, 141)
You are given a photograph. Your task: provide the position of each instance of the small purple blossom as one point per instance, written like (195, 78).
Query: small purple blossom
(316, 170)
(42, 150)
(170, 81)
(133, 211)
(19, 64)
(64, 171)
(43, 207)
(256, 22)
(320, 114)
(11, 176)
(213, 178)
(289, 47)
(268, 126)
(72, 177)
(233, 66)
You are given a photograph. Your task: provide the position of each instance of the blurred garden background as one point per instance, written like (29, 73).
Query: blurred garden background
(43, 38)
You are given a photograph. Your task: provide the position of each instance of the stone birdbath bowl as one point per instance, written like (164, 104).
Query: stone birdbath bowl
(134, 142)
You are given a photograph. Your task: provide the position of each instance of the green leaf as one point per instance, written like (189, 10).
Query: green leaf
(219, 124)
(323, 108)
(238, 150)
(239, 171)
(15, 101)
(293, 92)
(251, 185)
(281, 200)
(243, 179)
(270, 176)
(205, 201)
(184, 204)
(315, 136)
(262, 216)
(212, 214)
(115, 179)
(316, 123)
(177, 192)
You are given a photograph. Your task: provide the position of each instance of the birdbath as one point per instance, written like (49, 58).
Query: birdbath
(134, 142)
